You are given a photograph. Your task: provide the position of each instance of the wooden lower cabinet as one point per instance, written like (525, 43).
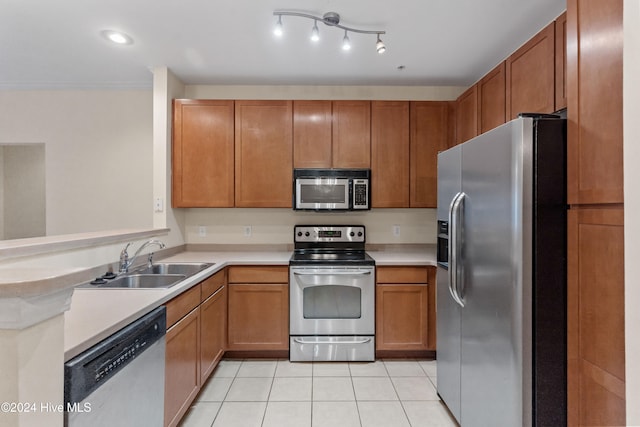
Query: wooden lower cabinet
(182, 367)
(195, 343)
(595, 317)
(213, 331)
(405, 311)
(258, 308)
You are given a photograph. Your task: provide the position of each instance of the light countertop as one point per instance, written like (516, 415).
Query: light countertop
(97, 313)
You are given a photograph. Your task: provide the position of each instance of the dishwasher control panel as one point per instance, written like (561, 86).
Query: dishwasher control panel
(84, 373)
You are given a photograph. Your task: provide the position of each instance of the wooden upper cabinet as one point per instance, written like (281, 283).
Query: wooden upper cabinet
(594, 102)
(561, 61)
(390, 154)
(467, 115)
(203, 151)
(531, 75)
(264, 153)
(492, 99)
(351, 134)
(431, 125)
(312, 134)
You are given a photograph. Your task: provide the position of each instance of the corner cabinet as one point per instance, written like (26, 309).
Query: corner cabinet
(263, 154)
(202, 153)
(258, 308)
(405, 311)
(467, 115)
(195, 343)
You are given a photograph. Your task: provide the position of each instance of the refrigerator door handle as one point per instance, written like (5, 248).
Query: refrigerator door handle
(454, 252)
(458, 216)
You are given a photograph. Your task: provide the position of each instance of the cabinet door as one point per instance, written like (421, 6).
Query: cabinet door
(531, 75)
(258, 316)
(430, 132)
(402, 316)
(202, 162)
(561, 61)
(467, 115)
(492, 99)
(182, 361)
(351, 134)
(312, 134)
(390, 154)
(594, 102)
(213, 331)
(595, 317)
(264, 153)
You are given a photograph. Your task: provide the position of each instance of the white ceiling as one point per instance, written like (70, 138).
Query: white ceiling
(56, 44)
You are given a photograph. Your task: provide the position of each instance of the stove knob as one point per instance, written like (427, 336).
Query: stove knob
(307, 234)
(299, 233)
(352, 234)
(359, 233)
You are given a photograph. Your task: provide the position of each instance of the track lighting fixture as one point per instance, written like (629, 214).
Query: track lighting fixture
(380, 47)
(346, 43)
(315, 34)
(278, 31)
(330, 19)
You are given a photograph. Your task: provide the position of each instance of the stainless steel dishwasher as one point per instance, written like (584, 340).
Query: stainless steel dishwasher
(119, 381)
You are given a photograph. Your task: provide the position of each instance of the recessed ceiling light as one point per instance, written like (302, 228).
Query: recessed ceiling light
(117, 37)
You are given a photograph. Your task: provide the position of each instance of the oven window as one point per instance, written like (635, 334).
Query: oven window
(332, 302)
(321, 193)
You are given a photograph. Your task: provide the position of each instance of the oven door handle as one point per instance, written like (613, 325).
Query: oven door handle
(332, 273)
(303, 341)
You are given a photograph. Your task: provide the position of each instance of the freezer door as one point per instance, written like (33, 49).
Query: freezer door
(496, 178)
(448, 311)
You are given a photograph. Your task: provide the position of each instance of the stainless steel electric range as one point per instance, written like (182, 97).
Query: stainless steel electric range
(332, 295)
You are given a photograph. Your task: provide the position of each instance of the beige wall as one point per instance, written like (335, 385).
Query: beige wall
(631, 101)
(98, 154)
(275, 226)
(23, 196)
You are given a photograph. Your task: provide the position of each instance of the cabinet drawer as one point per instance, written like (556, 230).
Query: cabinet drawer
(212, 284)
(178, 307)
(259, 274)
(401, 275)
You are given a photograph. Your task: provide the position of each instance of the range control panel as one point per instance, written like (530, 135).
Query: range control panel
(329, 233)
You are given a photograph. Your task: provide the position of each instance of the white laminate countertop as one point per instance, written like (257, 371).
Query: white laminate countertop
(97, 313)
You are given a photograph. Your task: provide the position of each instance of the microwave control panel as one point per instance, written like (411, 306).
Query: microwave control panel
(360, 194)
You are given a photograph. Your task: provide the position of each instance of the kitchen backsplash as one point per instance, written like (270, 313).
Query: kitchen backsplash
(275, 226)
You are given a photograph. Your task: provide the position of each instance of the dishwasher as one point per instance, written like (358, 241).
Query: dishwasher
(119, 381)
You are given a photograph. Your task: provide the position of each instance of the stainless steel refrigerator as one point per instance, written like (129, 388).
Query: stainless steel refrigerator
(501, 282)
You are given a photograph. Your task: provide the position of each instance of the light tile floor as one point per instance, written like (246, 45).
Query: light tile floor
(278, 393)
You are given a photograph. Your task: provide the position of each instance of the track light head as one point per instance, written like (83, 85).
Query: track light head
(380, 47)
(346, 43)
(278, 30)
(315, 33)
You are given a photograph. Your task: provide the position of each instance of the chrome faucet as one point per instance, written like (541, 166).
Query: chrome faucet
(125, 262)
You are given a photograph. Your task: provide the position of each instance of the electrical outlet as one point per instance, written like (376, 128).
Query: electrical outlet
(158, 204)
(396, 230)
(202, 231)
(247, 231)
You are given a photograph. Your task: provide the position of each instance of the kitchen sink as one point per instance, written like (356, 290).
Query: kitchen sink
(186, 269)
(158, 276)
(142, 281)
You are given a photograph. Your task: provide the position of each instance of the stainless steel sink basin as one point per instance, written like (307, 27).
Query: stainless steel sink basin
(184, 268)
(143, 281)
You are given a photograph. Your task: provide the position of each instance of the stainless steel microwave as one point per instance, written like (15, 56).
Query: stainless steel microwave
(331, 189)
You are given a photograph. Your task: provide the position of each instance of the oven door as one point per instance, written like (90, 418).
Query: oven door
(322, 193)
(332, 301)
